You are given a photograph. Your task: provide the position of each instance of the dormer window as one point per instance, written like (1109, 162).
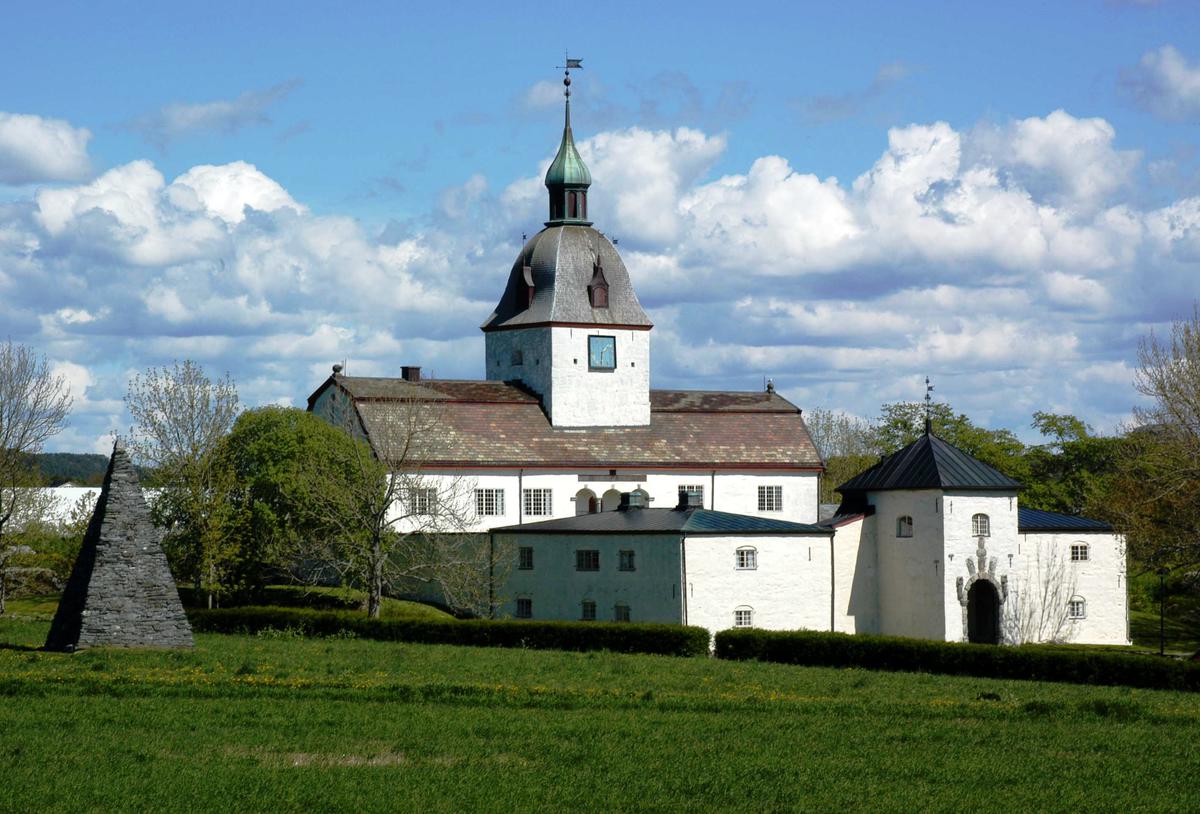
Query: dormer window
(527, 274)
(598, 287)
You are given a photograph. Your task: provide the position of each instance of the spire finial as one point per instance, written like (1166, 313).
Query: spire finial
(928, 407)
(568, 178)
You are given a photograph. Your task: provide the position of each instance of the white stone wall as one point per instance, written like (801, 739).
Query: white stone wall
(1101, 581)
(855, 578)
(911, 570)
(960, 545)
(555, 365)
(592, 398)
(535, 368)
(557, 590)
(735, 492)
(788, 590)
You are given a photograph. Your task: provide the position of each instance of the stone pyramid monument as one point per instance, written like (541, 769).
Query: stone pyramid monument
(120, 592)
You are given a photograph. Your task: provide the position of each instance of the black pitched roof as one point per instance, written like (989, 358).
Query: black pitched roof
(651, 521)
(1037, 520)
(929, 463)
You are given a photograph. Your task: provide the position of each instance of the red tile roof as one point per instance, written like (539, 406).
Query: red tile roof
(497, 424)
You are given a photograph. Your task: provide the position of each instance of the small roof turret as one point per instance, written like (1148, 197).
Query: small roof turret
(568, 178)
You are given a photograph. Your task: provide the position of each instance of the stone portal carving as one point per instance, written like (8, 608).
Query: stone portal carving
(120, 592)
(981, 567)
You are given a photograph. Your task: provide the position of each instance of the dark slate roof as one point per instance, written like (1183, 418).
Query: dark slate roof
(929, 463)
(660, 521)
(1029, 520)
(562, 261)
(499, 424)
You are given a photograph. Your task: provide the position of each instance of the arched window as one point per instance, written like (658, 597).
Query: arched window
(904, 526)
(585, 502)
(1077, 608)
(746, 558)
(1080, 552)
(743, 616)
(981, 526)
(572, 205)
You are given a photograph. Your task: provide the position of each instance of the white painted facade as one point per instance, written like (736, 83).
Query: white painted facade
(553, 362)
(728, 491)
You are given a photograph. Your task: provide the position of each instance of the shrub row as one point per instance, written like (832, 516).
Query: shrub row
(667, 640)
(1031, 662)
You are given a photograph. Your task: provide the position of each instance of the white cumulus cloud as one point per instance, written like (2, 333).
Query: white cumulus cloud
(34, 149)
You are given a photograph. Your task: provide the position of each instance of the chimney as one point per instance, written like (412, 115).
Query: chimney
(632, 500)
(410, 373)
(690, 500)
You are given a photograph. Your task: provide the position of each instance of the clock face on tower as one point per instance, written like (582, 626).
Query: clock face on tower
(602, 352)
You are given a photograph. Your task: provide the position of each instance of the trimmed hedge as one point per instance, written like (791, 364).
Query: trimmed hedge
(666, 640)
(1030, 662)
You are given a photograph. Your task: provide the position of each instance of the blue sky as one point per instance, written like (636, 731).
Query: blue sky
(842, 196)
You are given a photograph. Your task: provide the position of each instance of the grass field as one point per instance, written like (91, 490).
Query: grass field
(255, 723)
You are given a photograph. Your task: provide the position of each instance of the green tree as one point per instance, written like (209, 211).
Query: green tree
(1072, 471)
(847, 445)
(34, 404)
(901, 423)
(180, 416)
(1155, 498)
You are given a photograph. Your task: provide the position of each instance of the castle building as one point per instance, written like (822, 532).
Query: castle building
(622, 502)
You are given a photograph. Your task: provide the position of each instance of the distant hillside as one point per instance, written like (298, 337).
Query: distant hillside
(84, 469)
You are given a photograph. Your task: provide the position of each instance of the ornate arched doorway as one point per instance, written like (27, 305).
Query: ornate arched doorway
(983, 613)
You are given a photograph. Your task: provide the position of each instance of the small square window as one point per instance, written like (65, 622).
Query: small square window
(587, 611)
(621, 612)
(524, 608)
(626, 561)
(1079, 552)
(1077, 609)
(747, 559)
(587, 559)
(743, 617)
(981, 526)
(770, 498)
(525, 558)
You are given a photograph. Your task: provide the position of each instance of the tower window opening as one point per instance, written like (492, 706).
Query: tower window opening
(572, 205)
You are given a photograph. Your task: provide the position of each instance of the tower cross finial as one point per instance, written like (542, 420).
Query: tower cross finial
(928, 407)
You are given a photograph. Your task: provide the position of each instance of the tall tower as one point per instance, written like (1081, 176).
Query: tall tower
(569, 325)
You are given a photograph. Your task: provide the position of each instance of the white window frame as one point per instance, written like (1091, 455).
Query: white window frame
(1080, 552)
(524, 608)
(981, 525)
(489, 502)
(539, 499)
(1076, 608)
(904, 523)
(422, 500)
(587, 610)
(746, 558)
(743, 617)
(525, 558)
(621, 612)
(770, 498)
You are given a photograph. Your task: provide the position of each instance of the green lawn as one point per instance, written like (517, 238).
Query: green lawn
(253, 723)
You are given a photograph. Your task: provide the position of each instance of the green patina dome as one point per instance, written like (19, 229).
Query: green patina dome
(568, 169)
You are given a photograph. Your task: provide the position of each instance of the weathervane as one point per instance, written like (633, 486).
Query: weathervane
(571, 63)
(928, 407)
